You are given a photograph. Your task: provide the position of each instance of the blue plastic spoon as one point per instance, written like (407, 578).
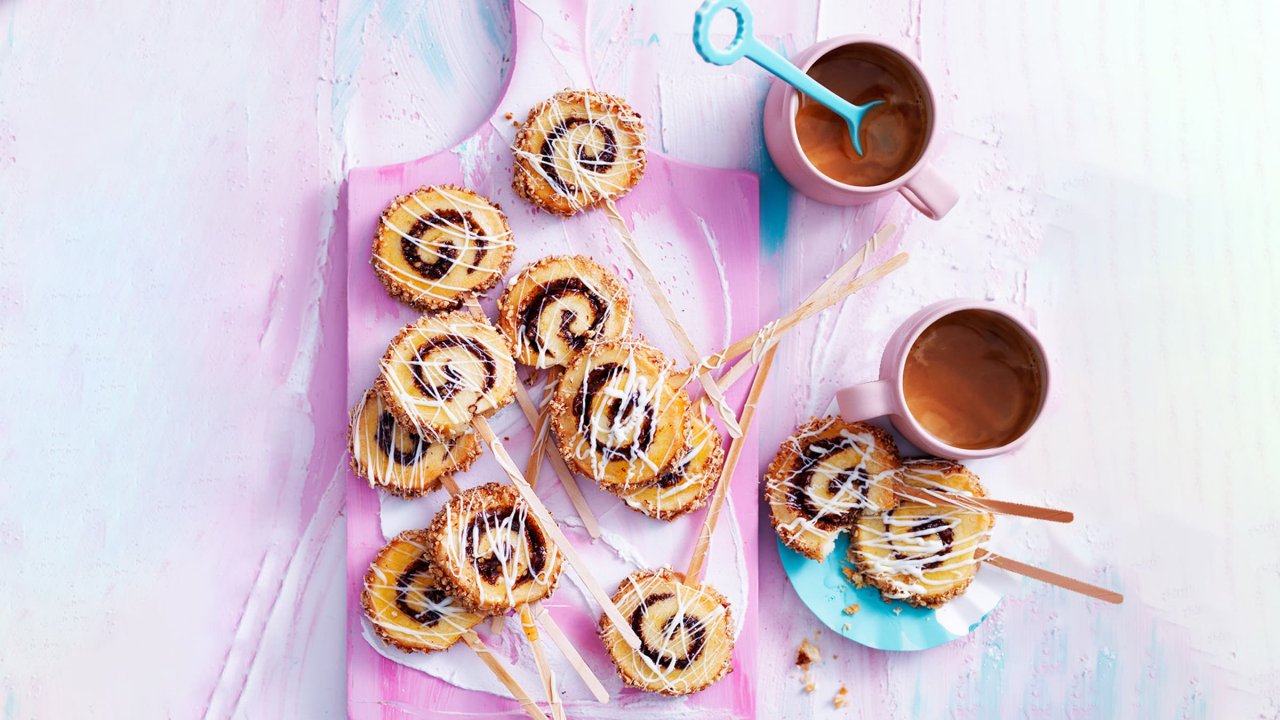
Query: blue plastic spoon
(746, 45)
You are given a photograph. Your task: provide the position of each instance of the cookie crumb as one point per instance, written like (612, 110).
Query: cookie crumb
(809, 684)
(842, 697)
(508, 116)
(897, 610)
(807, 654)
(852, 609)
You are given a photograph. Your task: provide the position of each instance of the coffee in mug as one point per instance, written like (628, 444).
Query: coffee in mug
(960, 379)
(972, 380)
(894, 133)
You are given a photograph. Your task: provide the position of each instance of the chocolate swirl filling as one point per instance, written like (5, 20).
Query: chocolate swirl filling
(446, 222)
(614, 411)
(653, 649)
(385, 437)
(946, 535)
(588, 158)
(548, 294)
(420, 603)
(455, 381)
(811, 458)
(490, 566)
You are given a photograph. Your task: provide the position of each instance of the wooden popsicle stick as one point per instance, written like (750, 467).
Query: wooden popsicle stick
(540, 659)
(770, 334)
(832, 284)
(1052, 578)
(551, 628)
(984, 504)
(716, 397)
(571, 556)
(537, 421)
(693, 575)
(500, 671)
(570, 652)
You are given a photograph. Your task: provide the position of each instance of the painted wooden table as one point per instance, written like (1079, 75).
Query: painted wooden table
(171, 326)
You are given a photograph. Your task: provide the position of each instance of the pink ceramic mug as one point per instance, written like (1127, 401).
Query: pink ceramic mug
(921, 185)
(884, 397)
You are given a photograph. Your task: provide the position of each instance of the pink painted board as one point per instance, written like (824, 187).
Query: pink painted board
(699, 228)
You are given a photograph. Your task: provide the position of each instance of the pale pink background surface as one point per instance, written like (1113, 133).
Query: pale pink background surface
(173, 332)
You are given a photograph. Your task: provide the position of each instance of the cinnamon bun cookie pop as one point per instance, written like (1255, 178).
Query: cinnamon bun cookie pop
(406, 606)
(490, 552)
(617, 413)
(556, 306)
(398, 460)
(923, 554)
(443, 371)
(686, 634)
(823, 477)
(576, 150)
(439, 245)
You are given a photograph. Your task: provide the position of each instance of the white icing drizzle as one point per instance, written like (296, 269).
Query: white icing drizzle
(452, 620)
(449, 364)
(640, 394)
(592, 186)
(468, 242)
(699, 440)
(383, 469)
(548, 320)
(665, 630)
(849, 498)
(916, 559)
(474, 537)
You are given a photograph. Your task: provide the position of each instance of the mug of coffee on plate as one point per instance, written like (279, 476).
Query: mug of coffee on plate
(960, 379)
(811, 146)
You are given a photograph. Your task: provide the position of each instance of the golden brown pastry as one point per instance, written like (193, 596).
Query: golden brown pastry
(490, 552)
(443, 371)
(405, 605)
(558, 305)
(684, 486)
(440, 245)
(400, 461)
(923, 554)
(578, 149)
(823, 477)
(686, 634)
(617, 413)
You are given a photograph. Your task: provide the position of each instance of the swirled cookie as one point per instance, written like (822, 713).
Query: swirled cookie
(557, 305)
(400, 461)
(405, 605)
(823, 477)
(617, 413)
(576, 150)
(443, 371)
(490, 552)
(684, 486)
(686, 634)
(440, 245)
(919, 553)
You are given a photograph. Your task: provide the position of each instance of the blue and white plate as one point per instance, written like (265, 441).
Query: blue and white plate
(889, 624)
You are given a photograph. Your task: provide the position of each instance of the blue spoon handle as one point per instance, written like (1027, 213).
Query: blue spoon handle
(745, 44)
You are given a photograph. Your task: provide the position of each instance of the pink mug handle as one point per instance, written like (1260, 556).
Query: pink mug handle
(930, 193)
(868, 400)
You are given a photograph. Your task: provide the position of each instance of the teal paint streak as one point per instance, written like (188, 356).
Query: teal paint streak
(497, 23)
(775, 205)
(423, 38)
